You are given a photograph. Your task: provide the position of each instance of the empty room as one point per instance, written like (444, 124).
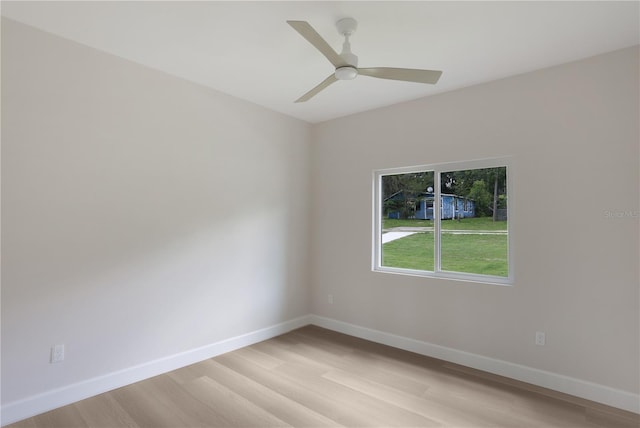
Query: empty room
(320, 214)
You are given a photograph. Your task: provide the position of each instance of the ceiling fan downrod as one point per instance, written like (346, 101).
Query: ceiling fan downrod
(346, 27)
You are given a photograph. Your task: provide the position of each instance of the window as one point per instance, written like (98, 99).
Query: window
(447, 221)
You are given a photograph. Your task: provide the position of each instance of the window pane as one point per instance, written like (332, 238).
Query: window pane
(407, 221)
(474, 221)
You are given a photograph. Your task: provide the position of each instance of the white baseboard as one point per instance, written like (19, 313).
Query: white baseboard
(30, 406)
(34, 405)
(590, 391)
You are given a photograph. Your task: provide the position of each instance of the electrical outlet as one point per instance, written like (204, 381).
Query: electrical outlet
(541, 338)
(330, 299)
(57, 353)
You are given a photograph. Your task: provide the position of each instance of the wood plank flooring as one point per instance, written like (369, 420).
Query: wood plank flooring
(312, 377)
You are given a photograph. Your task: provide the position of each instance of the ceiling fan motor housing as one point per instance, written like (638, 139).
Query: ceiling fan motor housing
(346, 73)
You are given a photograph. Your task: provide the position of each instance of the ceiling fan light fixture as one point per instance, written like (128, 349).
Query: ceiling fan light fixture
(346, 73)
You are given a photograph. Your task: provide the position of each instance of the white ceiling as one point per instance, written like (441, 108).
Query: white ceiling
(247, 50)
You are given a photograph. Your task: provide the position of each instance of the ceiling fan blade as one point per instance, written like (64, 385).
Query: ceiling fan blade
(326, 82)
(312, 36)
(405, 74)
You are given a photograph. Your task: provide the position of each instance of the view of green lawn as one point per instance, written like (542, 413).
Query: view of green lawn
(469, 253)
(412, 252)
(481, 254)
(473, 223)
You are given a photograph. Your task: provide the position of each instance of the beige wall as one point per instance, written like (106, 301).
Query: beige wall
(573, 133)
(142, 215)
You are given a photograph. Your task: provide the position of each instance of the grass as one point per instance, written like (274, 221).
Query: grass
(388, 223)
(482, 254)
(473, 223)
(413, 252)
(479, 254)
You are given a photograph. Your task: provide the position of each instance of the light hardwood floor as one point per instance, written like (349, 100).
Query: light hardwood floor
(312, 377)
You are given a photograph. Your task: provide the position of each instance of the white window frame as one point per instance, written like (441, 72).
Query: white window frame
(437, 169)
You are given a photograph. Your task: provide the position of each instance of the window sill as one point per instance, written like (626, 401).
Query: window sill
(456, 276)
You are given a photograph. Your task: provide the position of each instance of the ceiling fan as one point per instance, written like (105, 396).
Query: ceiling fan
(346, 63)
